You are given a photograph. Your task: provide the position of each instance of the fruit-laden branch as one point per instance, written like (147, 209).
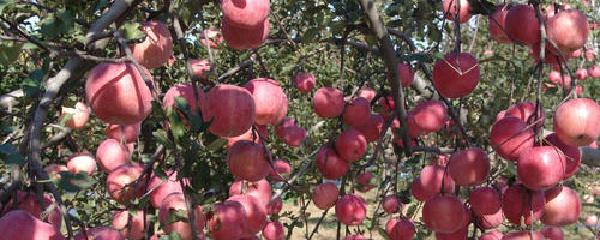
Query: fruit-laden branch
(74, 68)
(391, 62)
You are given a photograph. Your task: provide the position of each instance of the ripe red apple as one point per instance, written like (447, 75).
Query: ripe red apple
(81, 162)
(274, 206)
(553, 233)
(118, 94)
(490, 221)
(540, 167)
(434, 179)
(99, 233)
(247, 161)
(517, 202)
(261, 190)
(571, 154)
(245, 38)
(330, 164)
(269, 99)
(582, 74)
(444, 214)
(456, 76)
(351, 145)
(112, 154)
(373, 129)
(523, 235)
(357, 113)
(304, 81)
(248, 135)
(367, 92)
(325, 195)
(227, 221)
(406, 73)
(400, 229)
(525, 111)
(590, 54)
(280, 168)
(594, 71)
(496, 24)
(450, 9)
(79, 115)
(230, 109)
(273, 231)
(576, 121)
(328, 102)
(568, 29)
(120, 219)
(174, 203)
(290, 133)
(563, 206)
(484, 201)
(429, 116)
(351, 209)
(522, 26)
(200, 67)
(364, 181)
(510, 136)
(492, 235)
(418, 190)
(157, 47)
(391, 204)
(469, 167)
(255, 213)
(19, 224)
(123, 184)
(245, 14)
(185, 91)
(28, 202)
(128, 133)
(161, 188)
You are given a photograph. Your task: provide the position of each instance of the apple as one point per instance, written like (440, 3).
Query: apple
(19, 224)
(200, 67)
(290, 133)
(351, 145)
(571, 154)
(254, 213)
(523, 235)
(246, 160)
(214, 38)
(161, 188)
(328, 102)
(245, 14)
(227, 221)
(373, 129)
(325, 195)
(127, 133)
(111, 154)
(391, 204)
(173, 203)
(400, 229)
(118, 94)
(120, 219)
(485, 201)
(518, 202)
(510, 136)
(244, 38)
(576, 121)
(456, 76)
(522, 25)
(185, 91)
(351, 209)
(261, 189)
(357, 113)
(330, 164)
(563, 206)
(230, 109)
(273, 231)
(497, 23)
(79, 115)
(490, 221)
(428, 116)
(124, 184)
(568, 29)
(81, 162)
(157, 47)
(99, 233)
(304, 81)
(553, 233)
(269, 99)
(444, 214)
(367, 93)
(540, 167)
(450, 8)
(406, 73)
(493, 235)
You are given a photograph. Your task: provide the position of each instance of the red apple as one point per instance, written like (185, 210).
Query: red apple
(175, 203)
(444, 214)
(493, 235)
(120, 219)
(553, 233)
(304, 81)
(351, 209)
(227, 221)
(261, 190)
(200, 67)
(582, 74)
(118, 94)
(490, 221)
(571, 154)
(20, 225)
(325, 195)
(517, 202)
(245, 38)
(367, 93)
(99, 233)
(496, 24)
(247, 161)
(127, 133)
(456, 76)
(255, 213)
(157, 47)
(111, 154)
(230, 109)
(161, 188)
(484, 201)
(269, 99)
(351, 145)
(373, 129)
(357, 113)
(330, 164)
(540, 167)
(576, 121)
(246, 14)
(523, 235)
(428, 116)
(124, 184)
(568, 29)
(450, 9)
(185, 91)
(79, 115)
(522, 25)
(81, 162)
(510, 136)
(594, 71)
(400, 229)
(328, 102)
(391, 204)
(469, 167)
(273, 231)
(563, 206)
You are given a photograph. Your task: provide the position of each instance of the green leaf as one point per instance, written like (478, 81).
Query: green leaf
(57, 24)
(33, 85)
(177, 216)
(75, 182)
(6, 3)
(132, 32)
(10, 52)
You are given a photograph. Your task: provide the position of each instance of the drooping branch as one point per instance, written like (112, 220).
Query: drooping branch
(391, 62)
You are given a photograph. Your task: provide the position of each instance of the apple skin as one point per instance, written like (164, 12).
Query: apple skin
(120, 182)
(176, 202)
(273, 231)
(522, 26)
(230, 109)
(270, 100)
(241, 38)
(81, 162)
(351, 145)
(469, 167)
(351, 209)
(79, 115)
(456, 76)
(497, 23)
(325, 195)
(569, 30)
(157, 47)
(304, 81)
(227, 221)
(246, 160)
(99, 233)
(330, 164)
(328, 102)
(449, 8)
(510, 136)
(541, 167)
(120, 219)
(117, 93)
(200, 67)
(246, 14)
(21, 225)
(444, 214)
(400, 229)
(111, 154)
(357, 112)
(563, 206)
(576, 121)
